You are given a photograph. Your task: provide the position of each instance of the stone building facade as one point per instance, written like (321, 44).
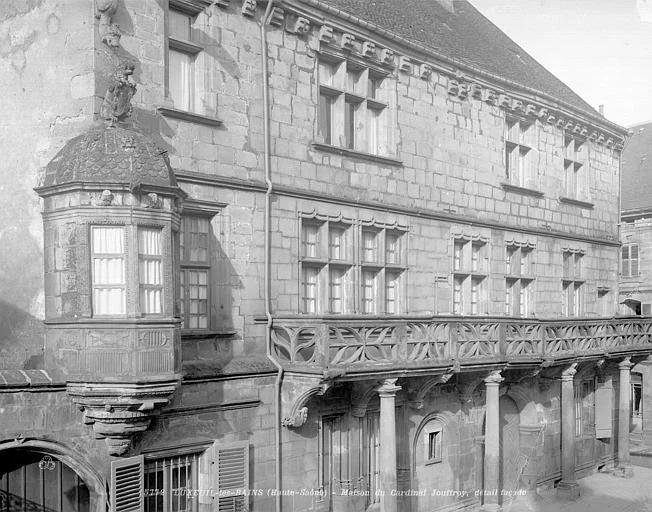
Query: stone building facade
(635, 290)
(293, 256)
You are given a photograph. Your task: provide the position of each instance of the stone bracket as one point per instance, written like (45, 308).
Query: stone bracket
(120, 411)
(296, 392)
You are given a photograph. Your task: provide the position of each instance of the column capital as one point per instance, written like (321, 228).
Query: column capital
(494, 378)
(389, 388)
(625, 364)
(568, 374)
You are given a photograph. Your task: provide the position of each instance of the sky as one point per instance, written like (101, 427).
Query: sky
(602, 49)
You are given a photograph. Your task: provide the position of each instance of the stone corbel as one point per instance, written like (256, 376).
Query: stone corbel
(476, 91)
(249, 8)
(453, 87)
(417, 399)
(560, 123)
(368, 49)
(610, 142)
(277, 17)
(109, 32)
(326, 34)
(517, 105)
(360, 398)
(118, 412)
(490, 97)
(531, 110)
(347, 42)
(298, 410)
(504, 101)
(387, 56)
(300, 26)
(425, 70)
(404, 64)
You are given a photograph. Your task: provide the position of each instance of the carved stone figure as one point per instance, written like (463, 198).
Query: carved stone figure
(117, 100)
(109, 32)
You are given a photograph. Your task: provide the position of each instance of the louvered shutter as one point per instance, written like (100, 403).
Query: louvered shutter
(127, 485)
(603, 412)
(232, 476)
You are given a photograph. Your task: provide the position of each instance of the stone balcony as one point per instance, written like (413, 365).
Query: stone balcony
(355, 347)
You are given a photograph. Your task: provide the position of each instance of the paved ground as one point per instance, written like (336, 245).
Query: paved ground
(601, 492)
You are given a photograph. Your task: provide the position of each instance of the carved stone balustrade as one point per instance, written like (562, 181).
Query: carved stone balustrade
(338, 345)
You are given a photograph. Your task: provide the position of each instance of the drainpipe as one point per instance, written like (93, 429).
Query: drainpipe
(267, 259)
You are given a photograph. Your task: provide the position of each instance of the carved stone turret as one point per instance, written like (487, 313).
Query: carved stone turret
(111, 210)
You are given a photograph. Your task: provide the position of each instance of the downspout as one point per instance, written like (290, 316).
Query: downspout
(267, 257)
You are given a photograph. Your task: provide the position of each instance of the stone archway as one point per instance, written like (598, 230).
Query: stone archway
(44, 476)
(510, 447)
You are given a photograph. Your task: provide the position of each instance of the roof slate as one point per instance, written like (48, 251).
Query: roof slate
(464, 35)
(110, 155)
(636, 171)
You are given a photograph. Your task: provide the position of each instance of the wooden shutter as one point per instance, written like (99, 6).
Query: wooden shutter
(232, 476)
(127, 485)
(603, 412)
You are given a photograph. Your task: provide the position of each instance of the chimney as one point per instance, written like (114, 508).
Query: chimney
(447, 4)
(601, 110)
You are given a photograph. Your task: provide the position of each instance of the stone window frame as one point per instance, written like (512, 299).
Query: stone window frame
(576, 161)
(165, 490)
(185, 46)
(520, 135)
(470, 260)
(317, 266)
(371, 105)
(206, 210)
(144, 257)
(520, 275)
(572, 282)
(627, 262)
(122, 255)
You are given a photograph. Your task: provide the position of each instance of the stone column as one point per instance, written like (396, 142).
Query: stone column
(492, 443)
(387, 393)
(568, 488)
(623, 468)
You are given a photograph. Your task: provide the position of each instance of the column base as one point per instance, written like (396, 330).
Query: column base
(623, 472)
(568, 491)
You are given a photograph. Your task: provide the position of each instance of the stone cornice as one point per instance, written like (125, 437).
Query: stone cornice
(348, 33)
(480, 84)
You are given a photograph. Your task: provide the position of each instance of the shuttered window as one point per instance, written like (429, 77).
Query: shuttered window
(170, 483)
(127, 485)
(232, 477)
(603, 411)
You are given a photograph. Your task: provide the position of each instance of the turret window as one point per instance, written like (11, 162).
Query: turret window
(150, 264)
(108, 275)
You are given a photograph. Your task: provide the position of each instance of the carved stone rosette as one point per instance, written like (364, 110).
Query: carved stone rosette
(120, 411)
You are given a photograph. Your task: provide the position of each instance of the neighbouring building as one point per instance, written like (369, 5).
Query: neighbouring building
(301, 255)
(635, 294)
